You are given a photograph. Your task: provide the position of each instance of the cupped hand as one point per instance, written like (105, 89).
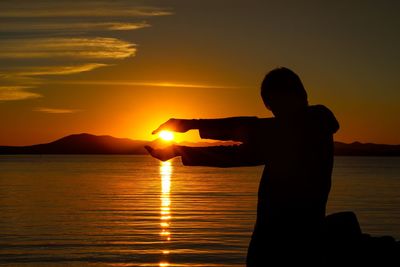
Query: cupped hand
(176, 125)
(162, 154)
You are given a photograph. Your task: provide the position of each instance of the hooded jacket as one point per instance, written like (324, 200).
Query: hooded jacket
(298, 156)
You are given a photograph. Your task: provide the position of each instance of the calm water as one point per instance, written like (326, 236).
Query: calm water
(134, 211)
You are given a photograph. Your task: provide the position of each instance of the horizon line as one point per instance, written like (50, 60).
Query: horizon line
(194, 142)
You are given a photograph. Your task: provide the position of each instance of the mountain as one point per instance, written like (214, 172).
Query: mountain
(367, 149)
(92, 144)
(81, 144)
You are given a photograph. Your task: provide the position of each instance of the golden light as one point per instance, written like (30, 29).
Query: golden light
(166, 135)
(165, 208)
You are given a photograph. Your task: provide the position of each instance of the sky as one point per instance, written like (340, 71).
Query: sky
(121, 68)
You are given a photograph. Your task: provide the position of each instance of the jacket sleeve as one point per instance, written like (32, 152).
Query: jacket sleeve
(222, 156)
(227, 129)
(241, 129)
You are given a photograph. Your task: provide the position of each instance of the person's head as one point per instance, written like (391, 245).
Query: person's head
(283, 92)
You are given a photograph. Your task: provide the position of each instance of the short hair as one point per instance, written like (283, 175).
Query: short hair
(282, 80)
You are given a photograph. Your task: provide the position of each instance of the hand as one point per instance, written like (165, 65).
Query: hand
(163, 154)
(176, 125)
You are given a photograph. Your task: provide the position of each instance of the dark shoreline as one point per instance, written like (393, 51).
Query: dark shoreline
(87, 144)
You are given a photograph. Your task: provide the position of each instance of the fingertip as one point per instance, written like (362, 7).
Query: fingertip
(156, 130)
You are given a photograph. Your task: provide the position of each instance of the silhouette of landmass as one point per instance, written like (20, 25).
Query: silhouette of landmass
(81, 144)
(367, 149)
(92, 144)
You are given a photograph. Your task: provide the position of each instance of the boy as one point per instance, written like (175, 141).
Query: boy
(296, 147)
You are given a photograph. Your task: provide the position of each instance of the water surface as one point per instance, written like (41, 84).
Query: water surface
(136, 211)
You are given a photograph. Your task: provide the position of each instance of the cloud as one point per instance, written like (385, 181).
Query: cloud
(56, 110)
(151, 84)
(9, 79)
(58, 47)
(50, 27)
(10, 93)
(44, 38)
(35, 9)
(117, 26)
(52, 70)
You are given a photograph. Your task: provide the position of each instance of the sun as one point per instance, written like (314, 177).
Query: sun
(166, 135)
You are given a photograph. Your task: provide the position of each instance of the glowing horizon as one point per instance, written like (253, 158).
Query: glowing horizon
(122, 68)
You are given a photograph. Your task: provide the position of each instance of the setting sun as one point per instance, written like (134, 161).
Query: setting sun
(166, 135)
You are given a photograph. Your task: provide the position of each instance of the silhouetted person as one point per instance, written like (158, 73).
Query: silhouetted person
(296, 147)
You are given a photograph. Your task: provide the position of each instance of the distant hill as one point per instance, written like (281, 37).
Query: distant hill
(81, 144)
(367, 149)
(92, 144)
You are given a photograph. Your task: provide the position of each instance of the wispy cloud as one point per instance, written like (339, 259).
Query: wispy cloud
(70, 27)
(56, 110)
(151, 84)
(117, 26)
(10, 93)
(45, 38)
(51, 70)
(82, 48)
(45, 9)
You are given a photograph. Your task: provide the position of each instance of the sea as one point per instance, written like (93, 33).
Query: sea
(111, 210)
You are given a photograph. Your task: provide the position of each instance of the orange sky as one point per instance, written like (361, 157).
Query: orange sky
(123, 67)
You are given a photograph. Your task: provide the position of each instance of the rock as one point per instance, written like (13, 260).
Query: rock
(346, 245)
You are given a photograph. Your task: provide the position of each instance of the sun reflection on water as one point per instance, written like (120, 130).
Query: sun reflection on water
(165, 208)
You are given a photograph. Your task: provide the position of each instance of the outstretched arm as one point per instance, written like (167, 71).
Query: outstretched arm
(216, 156)
(222, 156)
(235, 128)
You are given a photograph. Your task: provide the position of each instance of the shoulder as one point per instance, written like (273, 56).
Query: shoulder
(324, 116)
(319, 108)
(320, 111)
